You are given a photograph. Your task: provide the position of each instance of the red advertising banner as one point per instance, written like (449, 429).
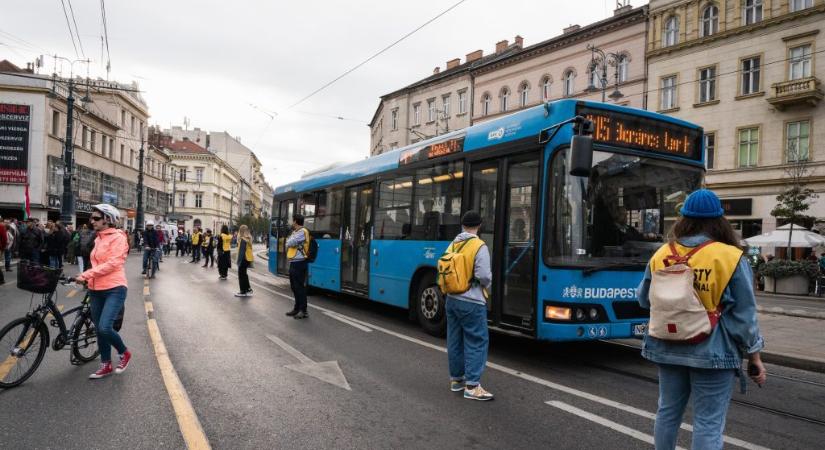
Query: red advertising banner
(14, 143)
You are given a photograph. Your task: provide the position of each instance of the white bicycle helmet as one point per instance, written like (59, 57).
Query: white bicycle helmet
(111, 213)
(150, 222)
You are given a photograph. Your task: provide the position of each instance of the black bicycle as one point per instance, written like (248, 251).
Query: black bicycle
(24, 341)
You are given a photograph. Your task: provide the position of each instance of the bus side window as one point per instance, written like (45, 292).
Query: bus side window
(437, 202)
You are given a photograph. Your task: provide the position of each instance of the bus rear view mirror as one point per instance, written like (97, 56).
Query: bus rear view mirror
(581, 155)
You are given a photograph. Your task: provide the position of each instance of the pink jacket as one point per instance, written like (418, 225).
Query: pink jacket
(108, 261)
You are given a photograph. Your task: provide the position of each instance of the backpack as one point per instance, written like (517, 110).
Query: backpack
(676, 311)
(456, 266)
(310, 247)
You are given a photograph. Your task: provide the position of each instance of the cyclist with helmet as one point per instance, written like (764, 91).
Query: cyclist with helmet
(150, 247)
(106, 281)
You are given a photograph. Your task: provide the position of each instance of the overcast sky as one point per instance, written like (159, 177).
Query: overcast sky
(209, 60)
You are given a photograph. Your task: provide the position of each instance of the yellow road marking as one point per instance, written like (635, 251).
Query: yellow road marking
(145, 290)
(190, 426)
(59, 308)
(149, 308)
(72, 293)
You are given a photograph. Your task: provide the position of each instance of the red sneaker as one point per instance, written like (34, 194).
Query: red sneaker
(104, 371)
(124, 362)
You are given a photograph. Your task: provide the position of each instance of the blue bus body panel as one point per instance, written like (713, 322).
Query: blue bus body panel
(325, 272)
(272, 262)
(393, 263)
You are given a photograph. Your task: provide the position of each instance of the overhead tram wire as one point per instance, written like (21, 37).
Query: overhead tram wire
(375, 55)
(69, 25)
(106, 36)
(76, 29)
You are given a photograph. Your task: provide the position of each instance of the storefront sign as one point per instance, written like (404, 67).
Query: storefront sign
(737, 206)
(81, 206)
(14, 143)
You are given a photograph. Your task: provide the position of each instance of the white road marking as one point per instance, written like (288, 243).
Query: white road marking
(605, 422)
(524, 376)
(342, 319)
(327, 371)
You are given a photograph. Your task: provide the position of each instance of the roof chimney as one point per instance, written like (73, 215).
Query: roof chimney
(453, 63)
(475, 55)
(436, 70)
(501, 46)
(571, 29)
(519, 41)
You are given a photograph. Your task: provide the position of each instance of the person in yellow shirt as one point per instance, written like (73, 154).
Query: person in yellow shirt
(196, 245)
(224, 245)
(208, 249)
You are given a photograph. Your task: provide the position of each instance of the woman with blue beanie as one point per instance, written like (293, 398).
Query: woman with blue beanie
(703, 369)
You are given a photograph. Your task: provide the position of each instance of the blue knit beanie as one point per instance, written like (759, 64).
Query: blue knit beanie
(702, 204)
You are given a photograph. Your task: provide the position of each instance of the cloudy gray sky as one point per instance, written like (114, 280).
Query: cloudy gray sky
(209, 60)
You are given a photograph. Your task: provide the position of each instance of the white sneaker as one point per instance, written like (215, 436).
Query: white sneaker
(478, 393)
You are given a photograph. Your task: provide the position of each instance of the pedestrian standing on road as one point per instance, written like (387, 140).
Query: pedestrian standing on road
(180, 244)
(196, 245)
(161, 243)
(224, 258)
(30, 242)
(107, 285)
(704, 370)
(87, 243)
(468, 338)
(11, 240)
(297, 247)
(208, 249)
(54, 243)
(244, 261)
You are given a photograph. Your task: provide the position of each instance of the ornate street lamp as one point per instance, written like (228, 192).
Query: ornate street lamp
(599, 60)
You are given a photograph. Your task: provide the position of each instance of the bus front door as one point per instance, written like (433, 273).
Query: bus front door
(505, 193)
(286, 210)
(355, 241)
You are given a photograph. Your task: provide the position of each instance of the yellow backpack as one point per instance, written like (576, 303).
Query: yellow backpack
(456, 266)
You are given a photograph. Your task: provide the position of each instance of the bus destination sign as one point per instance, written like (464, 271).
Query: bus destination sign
(432, 151)
(641, 133)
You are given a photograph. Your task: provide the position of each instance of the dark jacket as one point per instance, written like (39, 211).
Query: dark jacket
(87, 242)
(150, 238)
(31, 240)
(55, 243)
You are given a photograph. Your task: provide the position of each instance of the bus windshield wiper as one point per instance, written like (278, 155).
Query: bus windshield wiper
(614, 265)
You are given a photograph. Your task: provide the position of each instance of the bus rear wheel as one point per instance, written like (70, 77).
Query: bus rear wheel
(430, 307)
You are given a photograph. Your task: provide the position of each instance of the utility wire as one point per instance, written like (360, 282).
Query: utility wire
(106, 36)
(375, 55)
(69, 25)
(24, 42)
(76, 29)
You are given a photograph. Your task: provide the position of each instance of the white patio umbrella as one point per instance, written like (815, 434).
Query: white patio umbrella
(800, 237)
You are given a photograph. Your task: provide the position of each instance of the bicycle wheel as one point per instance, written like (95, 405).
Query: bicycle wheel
(84, 341)
(23, 343)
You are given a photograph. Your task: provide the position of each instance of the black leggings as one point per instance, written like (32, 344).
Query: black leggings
(243, 278)
(208, 257)
(224, 261)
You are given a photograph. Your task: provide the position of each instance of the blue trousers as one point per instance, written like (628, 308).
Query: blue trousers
(153, 253)
(105, 307)
(54, 262)
(467, 340)
(710, 390)
(7, 255)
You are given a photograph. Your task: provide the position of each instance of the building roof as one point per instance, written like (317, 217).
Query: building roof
(8, 66)
(186, 146)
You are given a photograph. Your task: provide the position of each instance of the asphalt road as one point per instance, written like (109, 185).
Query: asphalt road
(258, 379)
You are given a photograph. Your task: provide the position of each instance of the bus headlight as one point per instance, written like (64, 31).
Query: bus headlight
(557, 313)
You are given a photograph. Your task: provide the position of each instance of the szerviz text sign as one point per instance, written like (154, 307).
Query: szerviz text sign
(642, 133)
(14, 143)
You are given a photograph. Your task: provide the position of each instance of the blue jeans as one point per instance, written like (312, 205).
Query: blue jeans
(105, 307)
(467, 340)
(711, 390)
(7, 255)
(54, 262)
(146, 253)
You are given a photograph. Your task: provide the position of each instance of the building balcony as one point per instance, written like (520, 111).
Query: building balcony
(802, 92)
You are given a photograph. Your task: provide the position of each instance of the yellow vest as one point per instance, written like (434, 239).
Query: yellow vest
(292, 251)
(713, 267)
(206, 239)
(226, 241)
(196, 238)
(248, 252)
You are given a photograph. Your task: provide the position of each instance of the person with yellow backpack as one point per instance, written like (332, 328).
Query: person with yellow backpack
(699, 290)
(465, 276)
(297, 249)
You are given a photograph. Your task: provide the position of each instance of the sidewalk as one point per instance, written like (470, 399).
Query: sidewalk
(791, 305)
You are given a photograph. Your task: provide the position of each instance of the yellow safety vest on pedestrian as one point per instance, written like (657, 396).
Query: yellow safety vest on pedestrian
(196, 238)
(226, 242)
(248, 253)
(456, 267)
(292, 251)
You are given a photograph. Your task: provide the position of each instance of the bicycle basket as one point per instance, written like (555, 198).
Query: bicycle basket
(37, 278)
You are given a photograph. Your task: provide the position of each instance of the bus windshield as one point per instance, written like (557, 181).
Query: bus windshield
(619, 215)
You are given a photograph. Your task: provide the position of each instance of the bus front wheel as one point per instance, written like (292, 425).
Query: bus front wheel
(430, 307)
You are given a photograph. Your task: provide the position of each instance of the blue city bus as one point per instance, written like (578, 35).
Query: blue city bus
(569, 226)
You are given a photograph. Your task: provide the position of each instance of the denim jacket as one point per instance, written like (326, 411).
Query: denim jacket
(736, 335)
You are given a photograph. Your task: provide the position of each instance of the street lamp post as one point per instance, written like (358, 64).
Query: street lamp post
(599, 64)
(139, 215)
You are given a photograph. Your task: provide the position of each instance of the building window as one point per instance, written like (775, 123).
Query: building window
(199, 174)
(524, 94)
(445, 105)
(505, 98)
(182, 199)
(131, 156)
(800, 62)
(748, 146)
(545, 88)
(56, 123)
(752, 12)
(798, 135)
(707, 84)
(112, 149)
(394, 119)
(198, 200)
(84, 139)
(710, 149)
(182, 175)
(668, 93)
(569, 83)
(417, 114)
(709, 23)
(462, 102)
(132, 125)
(93, 142)
(750, 75)
(670, 35)
(485, 104)
(624, 67)
(431, 110)
(799, 5)
(123, 118)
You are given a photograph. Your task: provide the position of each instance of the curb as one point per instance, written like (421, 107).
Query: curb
(792, 312)
(809, 298)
